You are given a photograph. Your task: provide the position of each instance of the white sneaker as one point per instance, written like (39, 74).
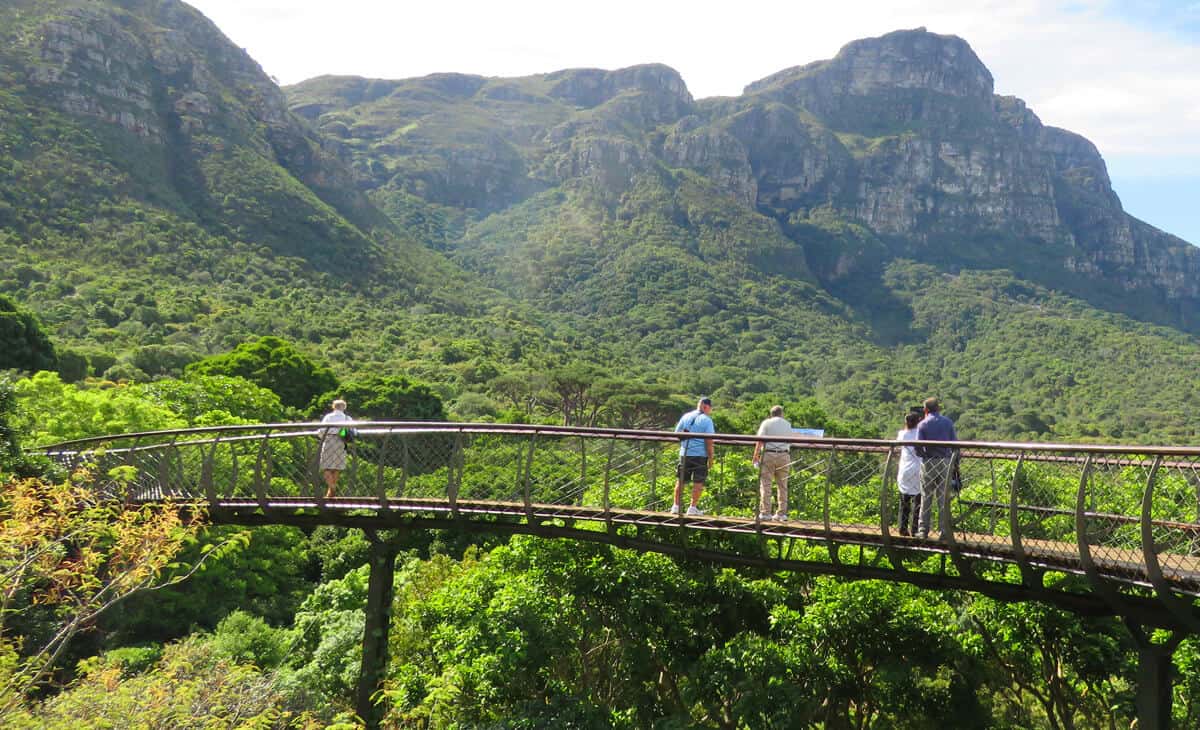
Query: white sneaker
(674, 509)
(765, 516)
(694, 511)
(782, 516)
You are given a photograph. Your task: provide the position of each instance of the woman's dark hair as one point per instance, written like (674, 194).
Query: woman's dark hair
(912, 419)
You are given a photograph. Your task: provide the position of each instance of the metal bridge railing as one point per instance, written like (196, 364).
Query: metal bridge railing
(1130, 514)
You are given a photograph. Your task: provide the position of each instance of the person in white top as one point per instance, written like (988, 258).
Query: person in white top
(333, 448)
(908, 477)
(773, 462)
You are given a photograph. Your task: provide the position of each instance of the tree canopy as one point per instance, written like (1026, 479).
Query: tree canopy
(275, 364)
(23, 343)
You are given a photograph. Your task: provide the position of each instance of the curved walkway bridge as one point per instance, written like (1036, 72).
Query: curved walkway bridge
(1098, 530)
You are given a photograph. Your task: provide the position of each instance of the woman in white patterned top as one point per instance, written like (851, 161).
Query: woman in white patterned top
(908, 477)
(333, 448)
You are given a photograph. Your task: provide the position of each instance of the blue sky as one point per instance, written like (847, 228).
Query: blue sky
(1165, 193)
(1126, 75)
(1181, 17)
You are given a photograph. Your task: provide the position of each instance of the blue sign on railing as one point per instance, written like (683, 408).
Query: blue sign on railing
(809, 431)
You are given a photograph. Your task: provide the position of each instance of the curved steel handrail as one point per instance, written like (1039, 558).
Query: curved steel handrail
(161, 461)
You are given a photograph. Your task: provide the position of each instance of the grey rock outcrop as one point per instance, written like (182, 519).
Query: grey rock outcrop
(901, 135)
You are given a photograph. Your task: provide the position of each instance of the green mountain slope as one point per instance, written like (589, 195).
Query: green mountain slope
(156, 192)
(769, 242)
(865, 230)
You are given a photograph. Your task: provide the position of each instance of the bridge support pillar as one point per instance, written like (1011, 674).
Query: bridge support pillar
(375, 630)
(1155, 674)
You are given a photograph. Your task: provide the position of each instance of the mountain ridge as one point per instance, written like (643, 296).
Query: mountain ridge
(901, 134)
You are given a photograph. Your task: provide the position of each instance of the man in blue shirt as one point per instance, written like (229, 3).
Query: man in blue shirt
(936, 463)
(695, 454)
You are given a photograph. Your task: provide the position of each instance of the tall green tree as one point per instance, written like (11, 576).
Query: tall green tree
(390, 398)
(1054, 667)
(273, 363)
(23, 344)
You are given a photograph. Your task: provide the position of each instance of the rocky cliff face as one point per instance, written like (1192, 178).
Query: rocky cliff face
(164, 74)
(936, 156)
(900, 134)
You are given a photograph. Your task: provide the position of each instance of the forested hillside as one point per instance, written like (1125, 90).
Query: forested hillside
(158, 203)
(163, 200)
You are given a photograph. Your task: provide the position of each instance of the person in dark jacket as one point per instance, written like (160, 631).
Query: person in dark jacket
(936, 465)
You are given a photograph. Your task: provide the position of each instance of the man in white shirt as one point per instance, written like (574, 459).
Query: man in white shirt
(773, 462)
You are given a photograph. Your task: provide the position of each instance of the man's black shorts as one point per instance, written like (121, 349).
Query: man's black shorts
(693, 469)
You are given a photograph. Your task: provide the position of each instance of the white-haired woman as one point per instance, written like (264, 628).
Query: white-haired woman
(333, 448)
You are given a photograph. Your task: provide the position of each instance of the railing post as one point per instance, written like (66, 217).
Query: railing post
(583, 480)
(207, 464)
(130, 459)
(318, 475)
(606, 496)
(525, 486)
(656, 450)
(262, 474)
(382, 559)
(1181, 610)
(233, 470)
(454, 473)
(163, 478)
(758, 489)
(1028, 575)
(1086, 560)
(965, 567)
(381, 458)
(830, 543)
(886, 496)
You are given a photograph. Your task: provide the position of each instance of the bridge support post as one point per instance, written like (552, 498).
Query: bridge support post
(1155, 674)
(375, 630)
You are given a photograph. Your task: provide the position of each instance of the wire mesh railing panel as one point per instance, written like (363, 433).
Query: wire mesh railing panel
(616, 471)
(807, 483)
(980, 508)
(1112, 510)
(112, 481)
(856, 484)
(1046, 490)
(657, 479)
(557, 472)
(150, 466)
(640, 476)
(504, 468)
(1173, 515)
(189, 467)
(284, 468)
